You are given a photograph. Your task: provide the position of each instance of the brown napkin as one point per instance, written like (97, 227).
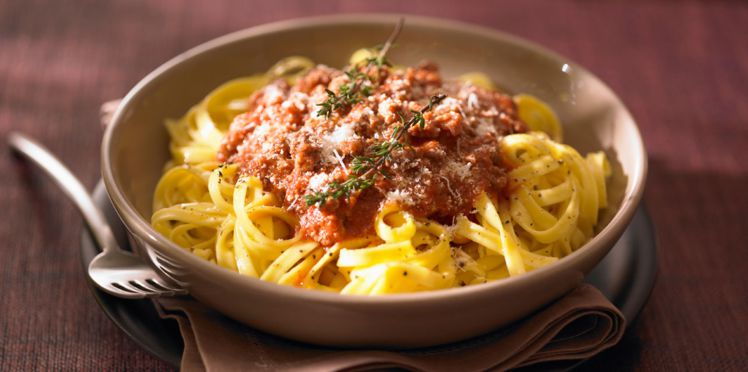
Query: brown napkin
(576, 327)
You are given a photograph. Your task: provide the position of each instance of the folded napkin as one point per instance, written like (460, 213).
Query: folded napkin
(576, 327)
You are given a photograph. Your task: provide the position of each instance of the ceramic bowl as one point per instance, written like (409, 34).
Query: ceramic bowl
(135, 150)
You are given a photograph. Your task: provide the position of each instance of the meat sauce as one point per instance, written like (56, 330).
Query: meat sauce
(439, 173)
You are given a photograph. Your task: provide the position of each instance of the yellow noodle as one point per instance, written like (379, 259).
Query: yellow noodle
(551, 208)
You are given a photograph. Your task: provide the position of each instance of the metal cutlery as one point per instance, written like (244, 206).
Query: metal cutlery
(114, 270)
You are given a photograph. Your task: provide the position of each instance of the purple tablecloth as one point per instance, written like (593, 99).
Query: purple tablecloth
(680, 66)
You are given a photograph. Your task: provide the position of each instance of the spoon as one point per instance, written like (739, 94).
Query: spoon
(115, 271)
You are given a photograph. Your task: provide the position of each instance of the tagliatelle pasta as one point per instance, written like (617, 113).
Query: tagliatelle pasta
(541, 204)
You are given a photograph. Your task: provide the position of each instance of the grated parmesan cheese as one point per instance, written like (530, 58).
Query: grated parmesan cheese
(485, 127)
(461, 170)
(330, 142)
(273, 94)
(317, 181)
(387, 109)
(448, 104)
(472, 101)
(399, 84)
(297, 100)
(490, 112)
(340, 134)
(400, 196)
(261, 131)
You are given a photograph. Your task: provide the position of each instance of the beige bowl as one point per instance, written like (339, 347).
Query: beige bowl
(135, 150)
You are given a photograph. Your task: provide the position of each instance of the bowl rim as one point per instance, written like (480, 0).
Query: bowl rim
(140, 227)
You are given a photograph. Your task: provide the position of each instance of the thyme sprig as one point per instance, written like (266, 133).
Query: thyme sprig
(359, 82)
(365, 169)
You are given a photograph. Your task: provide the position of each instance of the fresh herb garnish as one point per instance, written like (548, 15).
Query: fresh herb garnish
(359, 85)
(365, 169)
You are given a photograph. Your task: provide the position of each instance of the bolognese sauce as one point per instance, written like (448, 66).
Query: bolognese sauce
(442, 168)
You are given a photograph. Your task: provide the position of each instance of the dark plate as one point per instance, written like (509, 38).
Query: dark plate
(626, 276)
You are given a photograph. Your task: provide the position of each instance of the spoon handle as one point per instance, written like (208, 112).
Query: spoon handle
(69, 184)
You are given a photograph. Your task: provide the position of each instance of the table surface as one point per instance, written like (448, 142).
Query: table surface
(680, 66)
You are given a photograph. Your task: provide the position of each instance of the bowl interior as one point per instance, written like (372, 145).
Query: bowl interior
(136, 145)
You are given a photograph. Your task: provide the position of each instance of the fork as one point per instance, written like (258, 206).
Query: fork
(114, 270)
